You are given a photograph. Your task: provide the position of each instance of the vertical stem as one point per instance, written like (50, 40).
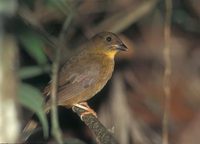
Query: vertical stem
(56, 132)
(9, 122)
(55, 126)
(167, 72)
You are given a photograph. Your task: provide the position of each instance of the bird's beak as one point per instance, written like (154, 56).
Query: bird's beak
(121, 47)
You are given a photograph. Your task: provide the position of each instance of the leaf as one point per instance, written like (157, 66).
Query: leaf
(32, 98)
(8, 7)
(32, 71)
(34, 46)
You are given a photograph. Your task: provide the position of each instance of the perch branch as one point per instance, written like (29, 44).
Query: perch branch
(102, 134)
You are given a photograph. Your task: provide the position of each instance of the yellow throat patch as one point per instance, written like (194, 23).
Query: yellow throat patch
(111, 54)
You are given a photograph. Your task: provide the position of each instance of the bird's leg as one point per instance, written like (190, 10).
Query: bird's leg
(88, 110)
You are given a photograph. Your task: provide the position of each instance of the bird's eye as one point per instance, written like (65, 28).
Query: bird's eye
(108, 39)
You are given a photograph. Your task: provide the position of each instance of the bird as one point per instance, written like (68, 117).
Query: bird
(83, 75)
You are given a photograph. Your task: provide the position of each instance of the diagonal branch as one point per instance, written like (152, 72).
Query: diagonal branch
(102, 134)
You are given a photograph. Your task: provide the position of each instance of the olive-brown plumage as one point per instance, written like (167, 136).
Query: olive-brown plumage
(86, 73)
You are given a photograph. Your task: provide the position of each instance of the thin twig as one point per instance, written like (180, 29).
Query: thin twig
(66, 23)
(54, 113)
(167, 72)
(102, 134)
(55, 125)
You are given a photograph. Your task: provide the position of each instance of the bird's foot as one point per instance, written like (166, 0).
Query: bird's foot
(88, 110)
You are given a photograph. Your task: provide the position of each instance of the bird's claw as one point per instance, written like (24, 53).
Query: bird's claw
(88, 110)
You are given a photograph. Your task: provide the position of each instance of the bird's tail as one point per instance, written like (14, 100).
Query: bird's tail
(28, 129)
(30, 126)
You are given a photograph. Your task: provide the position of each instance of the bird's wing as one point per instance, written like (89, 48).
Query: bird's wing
(75, 79)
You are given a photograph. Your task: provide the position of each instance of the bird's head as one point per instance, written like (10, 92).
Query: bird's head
(107, 43)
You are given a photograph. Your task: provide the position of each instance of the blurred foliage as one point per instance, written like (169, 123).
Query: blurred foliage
(34, 46)
(187, 22)
(33, 71)
(32, 98)
(8, 7)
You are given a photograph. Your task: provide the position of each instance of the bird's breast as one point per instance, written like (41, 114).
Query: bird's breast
(106, 70)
